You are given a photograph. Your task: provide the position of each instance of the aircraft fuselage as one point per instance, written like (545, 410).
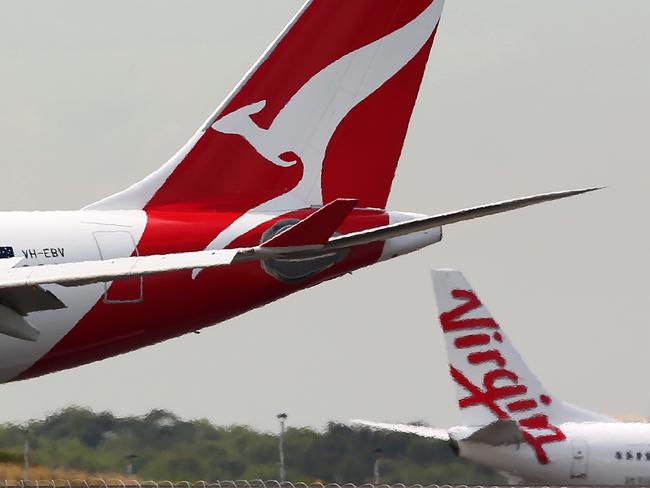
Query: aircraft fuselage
(104, 319)
(592, 454)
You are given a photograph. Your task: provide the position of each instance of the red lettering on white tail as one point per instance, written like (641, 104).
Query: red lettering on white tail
(451, 320)
(501, 391)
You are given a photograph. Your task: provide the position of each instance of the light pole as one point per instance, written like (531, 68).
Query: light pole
(130, 459)
(282, 417)
(375, 471)
(26, 457)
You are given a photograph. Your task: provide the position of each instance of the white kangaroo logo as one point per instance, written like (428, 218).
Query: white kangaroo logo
(304, 127)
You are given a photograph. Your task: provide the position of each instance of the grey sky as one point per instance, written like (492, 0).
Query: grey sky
(519, 97)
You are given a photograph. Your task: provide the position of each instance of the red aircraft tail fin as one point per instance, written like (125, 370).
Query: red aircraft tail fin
(322, 115)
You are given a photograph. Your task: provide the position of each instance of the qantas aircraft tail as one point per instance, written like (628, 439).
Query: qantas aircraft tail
(493, 382)
(322, 115)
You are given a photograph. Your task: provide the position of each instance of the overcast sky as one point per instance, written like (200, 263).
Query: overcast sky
(519, 97)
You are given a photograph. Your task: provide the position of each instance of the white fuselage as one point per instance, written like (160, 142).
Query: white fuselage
(592, 454)
(60, 237)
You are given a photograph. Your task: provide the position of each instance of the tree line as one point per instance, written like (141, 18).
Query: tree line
(162, 446)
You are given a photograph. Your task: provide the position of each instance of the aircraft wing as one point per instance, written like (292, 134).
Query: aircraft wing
(498, 433)
(426, 223)
(419, 430)
(311, 233)
(311, 236)
(83, 273)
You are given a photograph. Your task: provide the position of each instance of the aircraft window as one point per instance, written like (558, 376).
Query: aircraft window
(620, 456)
(639, 455)
(628, 455)
(647, 456)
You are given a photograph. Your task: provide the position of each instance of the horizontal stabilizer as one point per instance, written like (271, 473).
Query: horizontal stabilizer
(499, 433)
(17, 326)
(309, 237)
(426, 223)
(9, 263)
(29, 299)
(420, 430)
(75, 274)
(316, 229)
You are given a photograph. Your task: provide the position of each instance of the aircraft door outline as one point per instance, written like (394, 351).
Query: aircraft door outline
(579, 459)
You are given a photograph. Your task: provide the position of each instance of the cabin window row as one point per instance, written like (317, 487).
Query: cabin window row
(629, 455)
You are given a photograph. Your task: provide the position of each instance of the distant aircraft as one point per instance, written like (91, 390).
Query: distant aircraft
(511, 422)
(283, 187)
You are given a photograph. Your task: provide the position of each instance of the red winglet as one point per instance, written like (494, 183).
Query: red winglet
(316, 229)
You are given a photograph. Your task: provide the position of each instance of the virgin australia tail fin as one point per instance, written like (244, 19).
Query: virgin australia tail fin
(322, 115)
(492, 380)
